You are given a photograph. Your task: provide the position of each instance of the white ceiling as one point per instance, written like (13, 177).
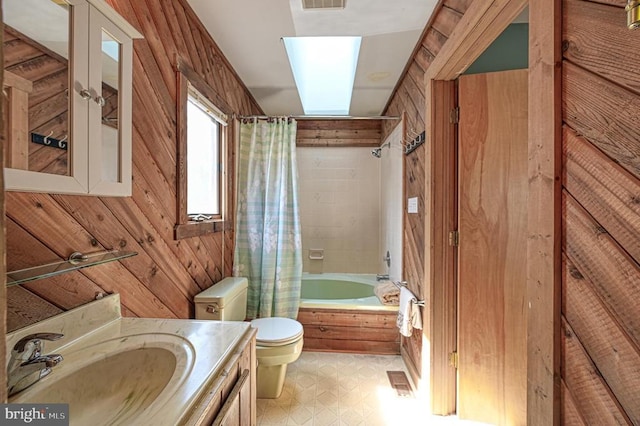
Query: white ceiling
(249, 31)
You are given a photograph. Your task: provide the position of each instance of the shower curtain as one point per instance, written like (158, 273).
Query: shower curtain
(268, 249)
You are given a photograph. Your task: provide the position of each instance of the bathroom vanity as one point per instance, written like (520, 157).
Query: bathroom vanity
(144, 371)
(230, 399)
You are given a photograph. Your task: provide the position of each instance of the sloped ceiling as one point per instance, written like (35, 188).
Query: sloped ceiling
(249, 33)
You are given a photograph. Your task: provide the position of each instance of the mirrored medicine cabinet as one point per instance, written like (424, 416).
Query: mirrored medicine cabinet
(67, 85)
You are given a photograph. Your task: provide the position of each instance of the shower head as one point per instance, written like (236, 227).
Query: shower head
(378, 151)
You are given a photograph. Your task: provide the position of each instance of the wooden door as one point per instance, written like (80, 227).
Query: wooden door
(492, 212)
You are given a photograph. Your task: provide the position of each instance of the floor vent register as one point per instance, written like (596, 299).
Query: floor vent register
(400, 382)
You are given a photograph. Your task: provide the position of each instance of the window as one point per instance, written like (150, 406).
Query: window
(202, 134)
(324, 69)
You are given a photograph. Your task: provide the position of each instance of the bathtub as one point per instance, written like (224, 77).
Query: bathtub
(341, 313)
(341, 291)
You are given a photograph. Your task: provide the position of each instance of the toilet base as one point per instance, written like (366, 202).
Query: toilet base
(270, 380)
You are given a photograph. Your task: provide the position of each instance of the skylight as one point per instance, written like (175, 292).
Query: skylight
(324, 69)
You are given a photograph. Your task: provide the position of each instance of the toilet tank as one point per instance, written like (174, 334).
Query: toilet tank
(226, 300)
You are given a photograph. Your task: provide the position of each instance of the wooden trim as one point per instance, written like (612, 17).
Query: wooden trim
(181, 157)
(17, 120)
(186, 228)
(203, 87)
(544, 223)
(441, 95)
(194, 229)
(481, 24)
(17, 82)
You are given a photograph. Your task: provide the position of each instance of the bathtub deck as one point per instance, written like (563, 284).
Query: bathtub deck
(347, 330)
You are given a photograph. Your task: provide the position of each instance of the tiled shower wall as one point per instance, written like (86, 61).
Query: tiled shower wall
(391, 202)
(340, 208)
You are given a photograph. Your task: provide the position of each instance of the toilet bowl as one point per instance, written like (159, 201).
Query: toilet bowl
(279, 342)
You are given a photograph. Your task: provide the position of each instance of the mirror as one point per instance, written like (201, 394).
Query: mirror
(111, 51)
(37, 121)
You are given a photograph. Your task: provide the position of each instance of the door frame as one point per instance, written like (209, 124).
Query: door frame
(479, 26)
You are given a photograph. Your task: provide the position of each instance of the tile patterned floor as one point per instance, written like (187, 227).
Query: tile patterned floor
(325, 389)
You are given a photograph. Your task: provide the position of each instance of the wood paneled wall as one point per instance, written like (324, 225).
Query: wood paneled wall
(409, 99)
(163, 278)
(343, 330)
(601, 215)
(335, 133)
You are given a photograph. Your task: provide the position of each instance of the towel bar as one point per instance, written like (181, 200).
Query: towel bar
(404, 284)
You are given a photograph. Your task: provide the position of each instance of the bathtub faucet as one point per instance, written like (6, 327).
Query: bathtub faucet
(382, 277)
(27, 364)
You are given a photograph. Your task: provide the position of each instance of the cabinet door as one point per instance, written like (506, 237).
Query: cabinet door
(46, 144)
(110, 82)
(231, 412)
(69, 97)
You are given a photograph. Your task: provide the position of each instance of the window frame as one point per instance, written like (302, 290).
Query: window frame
(185, 227)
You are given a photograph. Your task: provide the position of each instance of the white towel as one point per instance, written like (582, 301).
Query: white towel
(408, 313)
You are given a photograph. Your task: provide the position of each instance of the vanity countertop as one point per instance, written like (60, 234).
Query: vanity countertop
(95, 331)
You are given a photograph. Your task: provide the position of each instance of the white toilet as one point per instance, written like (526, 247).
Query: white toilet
(278, 342)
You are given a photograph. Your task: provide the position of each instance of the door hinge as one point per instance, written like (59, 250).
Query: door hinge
(454, 116)
(453, 359)
(454, 238)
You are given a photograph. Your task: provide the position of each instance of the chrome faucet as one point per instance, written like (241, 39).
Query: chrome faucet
(27, 364)
(382, 277)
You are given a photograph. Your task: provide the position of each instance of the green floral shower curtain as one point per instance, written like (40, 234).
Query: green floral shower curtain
(268, 249)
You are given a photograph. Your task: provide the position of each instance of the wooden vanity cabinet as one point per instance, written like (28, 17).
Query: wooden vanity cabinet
(231, 398)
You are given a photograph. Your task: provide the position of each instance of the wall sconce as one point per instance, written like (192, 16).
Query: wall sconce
(633, 14)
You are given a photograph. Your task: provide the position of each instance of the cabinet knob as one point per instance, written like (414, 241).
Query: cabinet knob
(85, 94)
(100, 101)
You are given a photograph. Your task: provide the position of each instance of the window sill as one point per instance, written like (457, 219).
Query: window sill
(195, 229)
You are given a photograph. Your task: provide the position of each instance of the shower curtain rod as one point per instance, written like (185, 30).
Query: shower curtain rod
(321, 117)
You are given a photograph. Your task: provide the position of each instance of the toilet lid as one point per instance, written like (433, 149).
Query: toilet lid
(276, 331)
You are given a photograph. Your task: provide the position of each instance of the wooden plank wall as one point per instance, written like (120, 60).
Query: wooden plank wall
(334, 133)
(601, 215)
(353, 331)
(409, 98)
(163, 278)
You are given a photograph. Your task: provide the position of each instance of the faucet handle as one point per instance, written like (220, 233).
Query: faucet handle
(35, 338)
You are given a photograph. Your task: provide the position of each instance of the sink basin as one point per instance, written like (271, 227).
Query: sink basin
(129, 371)
(114, 382)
